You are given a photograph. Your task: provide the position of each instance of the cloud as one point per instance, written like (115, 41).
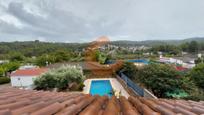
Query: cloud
(82, 21)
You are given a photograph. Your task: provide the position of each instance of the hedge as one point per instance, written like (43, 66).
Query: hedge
(4, 80)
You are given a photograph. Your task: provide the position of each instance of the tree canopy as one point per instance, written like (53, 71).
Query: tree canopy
(8, 67)
(101, 57)
(161, 79)
(197, 75)
(16, 56)
(130, 70)
(191, 47)
(170, 49)
(2, 71)
(60, 78)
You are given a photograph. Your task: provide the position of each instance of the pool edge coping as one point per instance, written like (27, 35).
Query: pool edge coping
(111, 84)
(114, 86)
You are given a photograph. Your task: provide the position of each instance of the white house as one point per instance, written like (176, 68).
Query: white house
(25, 77)
(189, 64)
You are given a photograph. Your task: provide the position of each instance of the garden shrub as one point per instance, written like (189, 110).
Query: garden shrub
(4, 80)
(60, 78)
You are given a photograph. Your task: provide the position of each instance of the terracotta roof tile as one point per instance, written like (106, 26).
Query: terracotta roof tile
(127, 107)
(15, 105)
(49, 110)
(21, 102)
(181, 110)
(95, 107)
(165, 111)
(70, 110)
(142, 108)
(5, 112)
(29, 109)
(197, 110)
(29, 72)
(112, 108)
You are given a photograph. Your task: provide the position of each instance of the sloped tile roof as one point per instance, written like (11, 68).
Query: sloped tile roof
(180, 68)
(30, 102)
(29, 72)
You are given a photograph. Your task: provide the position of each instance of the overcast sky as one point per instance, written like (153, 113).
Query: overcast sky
(85, 20)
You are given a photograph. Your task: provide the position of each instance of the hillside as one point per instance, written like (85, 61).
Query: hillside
(35, 48)
(156, 42)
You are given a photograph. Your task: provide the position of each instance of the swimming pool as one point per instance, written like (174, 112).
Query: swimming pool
(101, 87)
(146, 62)
(138, 61)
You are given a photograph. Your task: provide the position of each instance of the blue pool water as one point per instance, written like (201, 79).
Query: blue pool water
(101, 87)
(138, 61)
(133, 61)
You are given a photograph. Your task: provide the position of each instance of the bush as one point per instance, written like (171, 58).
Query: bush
(81, 86)
(46, 81)
(197, 75)
(4, 80)
(2, 71)
(159, 78)
(196, 95)
(162, 79)
(60, 78)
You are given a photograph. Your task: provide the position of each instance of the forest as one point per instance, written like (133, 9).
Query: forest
(39, 52)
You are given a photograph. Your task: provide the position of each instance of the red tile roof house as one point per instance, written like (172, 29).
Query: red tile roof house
(25, 77)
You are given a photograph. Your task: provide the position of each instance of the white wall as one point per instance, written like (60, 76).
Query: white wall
(24, 81)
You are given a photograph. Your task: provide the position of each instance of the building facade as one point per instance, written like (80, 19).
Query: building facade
(26, 77)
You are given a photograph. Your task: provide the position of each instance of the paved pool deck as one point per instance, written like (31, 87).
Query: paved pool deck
(114, 83)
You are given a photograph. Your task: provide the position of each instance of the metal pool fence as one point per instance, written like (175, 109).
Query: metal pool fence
(131, 84)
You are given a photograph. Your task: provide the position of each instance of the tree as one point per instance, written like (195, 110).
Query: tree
(184, 46)
(193, 46)
(16, 57)
(160, 79)
(197, 75)
(167, 49)
(100, 57)
(45, 59)
(60, 78)
(11, 66)
(130, 70)
(199, 60)
(61, 56)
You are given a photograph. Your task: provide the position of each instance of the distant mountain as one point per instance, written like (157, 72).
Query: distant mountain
(39, 44)
(198, 39)
(155, 42)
